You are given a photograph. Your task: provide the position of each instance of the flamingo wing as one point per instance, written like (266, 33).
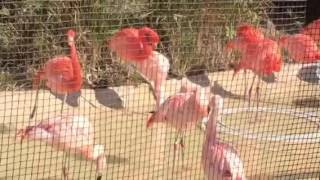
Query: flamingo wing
(171, 109)
(60, 67)
(75, 132)
(127, 45)
(313, 30)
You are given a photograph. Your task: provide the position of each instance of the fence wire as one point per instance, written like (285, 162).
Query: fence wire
(102, 127)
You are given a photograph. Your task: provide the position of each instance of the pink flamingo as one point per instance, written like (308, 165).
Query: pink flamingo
(219, 161)
(155, 70)
(260, 55)
(134, 45)
(313, 30)
(63, 74)
(301, 48)
(181, 111)
(205, 92)
(246, 35)
(72, 134)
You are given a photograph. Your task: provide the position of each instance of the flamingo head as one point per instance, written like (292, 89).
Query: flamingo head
(149, 37)
(71, 35)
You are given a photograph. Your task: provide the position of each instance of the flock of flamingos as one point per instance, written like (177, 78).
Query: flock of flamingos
(260, 54)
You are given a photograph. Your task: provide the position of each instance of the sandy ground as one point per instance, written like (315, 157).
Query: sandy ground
(278, 144)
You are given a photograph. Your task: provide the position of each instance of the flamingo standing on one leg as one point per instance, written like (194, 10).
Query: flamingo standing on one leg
(136, 46)
(301, 48)
(219, 161)
(62, 74)
(72, 134)
(182, 112)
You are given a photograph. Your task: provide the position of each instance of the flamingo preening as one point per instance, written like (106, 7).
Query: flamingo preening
(72, 134)
(137, 47)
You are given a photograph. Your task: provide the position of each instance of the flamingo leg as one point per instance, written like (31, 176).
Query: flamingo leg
(35, 104)
(65, 169)
(182, 145)
(250, 90)
(176, 143)
(245, 84)
(258, 97)
(179, 144)
(99, 177)
(63, 102)
(85, 99)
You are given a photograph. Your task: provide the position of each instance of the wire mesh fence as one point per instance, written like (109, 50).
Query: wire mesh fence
(108, 83)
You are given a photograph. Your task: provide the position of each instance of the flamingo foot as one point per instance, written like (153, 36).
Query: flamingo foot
(258, 100)
(249, 96)
(174, 156)
(257, 104)
(99, 177)
(182, 146)
(65, 173)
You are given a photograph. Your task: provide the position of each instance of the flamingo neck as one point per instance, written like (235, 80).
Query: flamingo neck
(75, 61)
(214, 114)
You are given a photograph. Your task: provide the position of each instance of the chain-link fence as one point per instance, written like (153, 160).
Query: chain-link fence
(65, 93)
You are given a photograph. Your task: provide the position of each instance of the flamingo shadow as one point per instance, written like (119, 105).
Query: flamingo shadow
(112, 159)
(200, 79)
(311, 102)
(4, 129)
(109, 98)
(309, 74)
(72, 98)
(219, 90)
(203, 80)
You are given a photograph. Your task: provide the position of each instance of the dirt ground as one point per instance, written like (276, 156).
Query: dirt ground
(282, 143)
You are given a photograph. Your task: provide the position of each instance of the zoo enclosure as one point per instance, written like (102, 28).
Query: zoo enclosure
(193, 34)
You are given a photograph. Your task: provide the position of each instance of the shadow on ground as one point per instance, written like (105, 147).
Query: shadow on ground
(109, 98)
(72, 99)
(310, 102)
